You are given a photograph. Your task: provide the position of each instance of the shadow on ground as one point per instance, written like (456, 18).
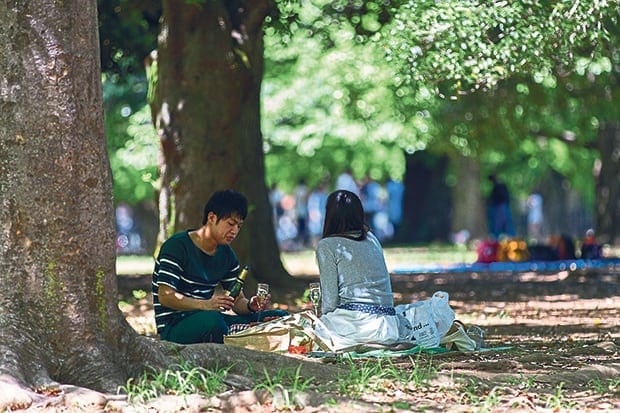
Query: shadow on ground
(558, 333)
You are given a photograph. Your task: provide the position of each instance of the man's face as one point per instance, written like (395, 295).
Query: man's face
(226, 229)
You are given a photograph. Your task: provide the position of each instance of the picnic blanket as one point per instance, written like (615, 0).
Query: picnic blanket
(294, 334)
(389, 353)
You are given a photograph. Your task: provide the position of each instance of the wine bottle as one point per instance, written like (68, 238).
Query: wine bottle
(235, 289)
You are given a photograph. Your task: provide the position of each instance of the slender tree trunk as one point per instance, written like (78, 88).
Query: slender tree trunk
(607, 187)
(427, 203)
(469, 207)
(207, 113)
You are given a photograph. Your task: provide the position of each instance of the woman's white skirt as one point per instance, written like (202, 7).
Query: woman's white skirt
(345, 328)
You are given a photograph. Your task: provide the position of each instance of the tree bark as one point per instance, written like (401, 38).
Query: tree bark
(59, 318)
(207, 114)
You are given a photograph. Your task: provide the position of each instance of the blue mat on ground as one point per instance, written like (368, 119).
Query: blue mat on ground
(607, 264)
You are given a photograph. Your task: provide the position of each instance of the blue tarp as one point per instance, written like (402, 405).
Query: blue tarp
(611, 265)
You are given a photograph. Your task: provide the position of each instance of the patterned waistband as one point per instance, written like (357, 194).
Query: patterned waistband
(369, 308)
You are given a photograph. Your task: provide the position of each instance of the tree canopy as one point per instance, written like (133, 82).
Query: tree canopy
(361, 83)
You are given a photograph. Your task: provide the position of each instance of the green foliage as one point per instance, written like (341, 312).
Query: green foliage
(329, 109)
(360, 84)
(131, 139)
(334, 98)
(464, 46)
(127, 34)
(134, 165)
(540, 134)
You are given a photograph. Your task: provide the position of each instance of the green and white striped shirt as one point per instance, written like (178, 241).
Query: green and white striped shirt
(184, 267)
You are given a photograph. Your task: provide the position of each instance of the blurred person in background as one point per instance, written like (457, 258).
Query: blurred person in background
(500, 216)
(275, 199)
(317, 200)
(347, 182)
(534, 217)
(301, 212)
(395, 192)
(372, 201)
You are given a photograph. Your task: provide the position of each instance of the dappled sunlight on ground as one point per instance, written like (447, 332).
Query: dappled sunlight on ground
(559, 334)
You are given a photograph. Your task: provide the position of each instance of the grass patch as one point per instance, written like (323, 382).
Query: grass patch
(431, 254)
(285, 387)
(181, 379)
(379, 375)
(605, 386)
(134, 264)
(304, 262)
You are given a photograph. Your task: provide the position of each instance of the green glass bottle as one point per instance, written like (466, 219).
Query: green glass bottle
(238, 285)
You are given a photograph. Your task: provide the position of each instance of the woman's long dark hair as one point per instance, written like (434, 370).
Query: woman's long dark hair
(344, 216)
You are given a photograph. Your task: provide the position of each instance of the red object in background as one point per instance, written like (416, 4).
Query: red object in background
(487, 251)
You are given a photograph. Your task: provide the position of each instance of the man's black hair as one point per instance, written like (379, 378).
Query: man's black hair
(226, 203)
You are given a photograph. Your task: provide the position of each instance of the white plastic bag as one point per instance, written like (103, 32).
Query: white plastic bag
(430, 319)
(424, 330)
(443, 314)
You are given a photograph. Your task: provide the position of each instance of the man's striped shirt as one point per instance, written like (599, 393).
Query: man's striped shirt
(184, 267)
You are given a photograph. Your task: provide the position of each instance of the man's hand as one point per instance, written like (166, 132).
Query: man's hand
(258, 304)
(253, 305)
(220, 303)
(177, 301)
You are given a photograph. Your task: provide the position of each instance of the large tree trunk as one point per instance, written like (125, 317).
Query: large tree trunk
(59, 317)
(59, 320)
(207, 114)
(607, 183)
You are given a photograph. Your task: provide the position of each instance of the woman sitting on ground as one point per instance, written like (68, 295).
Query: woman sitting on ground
(357, 303)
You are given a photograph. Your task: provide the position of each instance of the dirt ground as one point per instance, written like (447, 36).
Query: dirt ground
(557, 338)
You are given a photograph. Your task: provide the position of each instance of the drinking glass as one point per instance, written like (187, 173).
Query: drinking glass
(262, 289)
(315, 296)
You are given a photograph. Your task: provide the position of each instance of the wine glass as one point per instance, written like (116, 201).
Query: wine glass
(262, 289)
(315, 296)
